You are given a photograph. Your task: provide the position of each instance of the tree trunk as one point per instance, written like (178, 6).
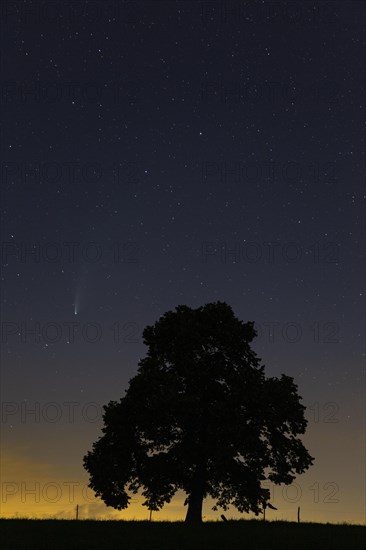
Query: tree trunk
(195, 498)
(194, 512)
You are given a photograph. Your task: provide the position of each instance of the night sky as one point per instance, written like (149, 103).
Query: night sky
(157, 153)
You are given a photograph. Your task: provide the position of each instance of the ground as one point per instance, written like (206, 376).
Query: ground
(26, 534)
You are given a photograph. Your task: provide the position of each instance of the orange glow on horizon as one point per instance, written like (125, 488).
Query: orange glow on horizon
(31, 490)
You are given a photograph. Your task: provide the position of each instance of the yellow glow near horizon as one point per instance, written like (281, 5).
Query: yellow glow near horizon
(30, 489)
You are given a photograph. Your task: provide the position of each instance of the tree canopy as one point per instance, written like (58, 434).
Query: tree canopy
(199, 416)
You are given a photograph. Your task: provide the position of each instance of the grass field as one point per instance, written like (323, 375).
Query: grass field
(135, 535)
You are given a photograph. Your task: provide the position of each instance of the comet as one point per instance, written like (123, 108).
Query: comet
(76, 303)
(78, 299)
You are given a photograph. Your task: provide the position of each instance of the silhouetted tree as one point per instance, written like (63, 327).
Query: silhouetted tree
(199, 416)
